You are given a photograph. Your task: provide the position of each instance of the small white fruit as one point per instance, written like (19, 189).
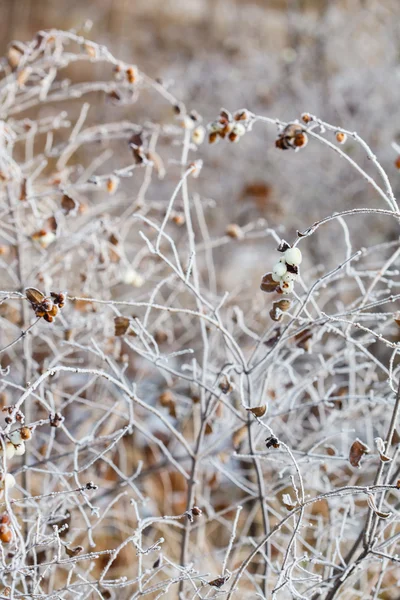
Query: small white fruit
(279, 270)
(15, 438)
(239, 129)
(134, 278)
(10, 450)
(293, 256)
(198, 135)
(20, 449)
(288, 277)
(287, 286)
(7, 481)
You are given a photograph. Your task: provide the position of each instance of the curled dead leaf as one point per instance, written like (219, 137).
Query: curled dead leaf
(219, 581)
(357, 451)
(268, 285)
(121, 325)
(288, 502)
(258, 411)
(73, 551)
(381, 447)
(34, 296)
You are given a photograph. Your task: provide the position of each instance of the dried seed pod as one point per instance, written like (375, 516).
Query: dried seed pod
(4, 519)
(272, 442)
(397, 162)
(56, 419)
(357, 451)
(306, 118)
(58, 298)
(241, 115)
(293, 136)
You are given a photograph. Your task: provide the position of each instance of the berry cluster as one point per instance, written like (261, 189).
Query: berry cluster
(16, 442)
(231, 126)
(285, 271)
(44, 306)
(292, 137)
(5, 531)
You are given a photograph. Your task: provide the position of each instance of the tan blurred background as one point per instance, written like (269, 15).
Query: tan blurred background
(339, 59)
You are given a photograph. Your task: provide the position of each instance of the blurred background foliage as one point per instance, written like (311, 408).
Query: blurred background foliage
(338, 59)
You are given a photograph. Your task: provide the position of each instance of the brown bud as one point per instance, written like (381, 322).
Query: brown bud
(131, 74)
(234, 231)
(341, 137)
(5, 534)
(306, 118)
(214, 137)
(397, 162)
(25, 433)
(283, 304)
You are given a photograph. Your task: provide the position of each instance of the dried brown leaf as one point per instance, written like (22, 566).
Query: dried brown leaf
(357, 451)
(258, 411)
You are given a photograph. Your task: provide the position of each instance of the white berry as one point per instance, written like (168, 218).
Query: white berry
(20, 449)
(239, 129)
(293, 256)
(15, 438)
(10, 450)
(288, 277)
(7, 481)
(287, 286)
(279, 270)
(198, 135)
